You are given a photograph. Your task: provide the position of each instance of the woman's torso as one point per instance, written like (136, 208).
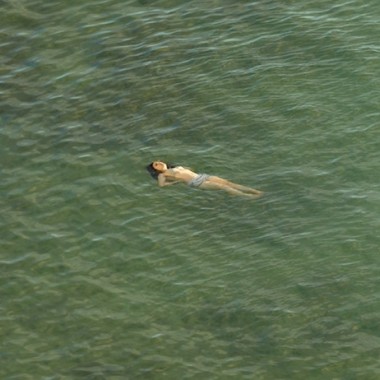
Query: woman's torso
(180, 173)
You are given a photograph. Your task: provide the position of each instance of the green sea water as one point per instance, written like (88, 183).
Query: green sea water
(106, 276)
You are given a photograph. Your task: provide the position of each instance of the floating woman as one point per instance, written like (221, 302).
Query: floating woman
(167, 174)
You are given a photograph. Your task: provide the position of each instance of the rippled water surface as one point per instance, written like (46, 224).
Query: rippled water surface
(106, 276)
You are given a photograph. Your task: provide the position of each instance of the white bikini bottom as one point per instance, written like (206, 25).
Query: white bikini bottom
(198, 180)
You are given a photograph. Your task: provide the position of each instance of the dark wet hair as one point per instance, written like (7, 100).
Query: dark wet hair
(154, 173)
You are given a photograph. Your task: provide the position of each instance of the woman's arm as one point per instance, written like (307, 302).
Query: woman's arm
(163, 181)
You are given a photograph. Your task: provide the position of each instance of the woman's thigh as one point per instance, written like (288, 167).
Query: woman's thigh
(214, 183)
(217, 180)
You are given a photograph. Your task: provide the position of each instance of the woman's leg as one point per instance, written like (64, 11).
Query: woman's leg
(221, 185)
(241, 188)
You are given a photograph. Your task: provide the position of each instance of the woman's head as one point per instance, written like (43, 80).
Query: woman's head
(157, 167)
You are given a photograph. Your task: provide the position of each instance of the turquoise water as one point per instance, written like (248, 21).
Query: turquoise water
(106, 276)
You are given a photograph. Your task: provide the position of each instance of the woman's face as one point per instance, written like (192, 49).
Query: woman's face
(160, 166)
